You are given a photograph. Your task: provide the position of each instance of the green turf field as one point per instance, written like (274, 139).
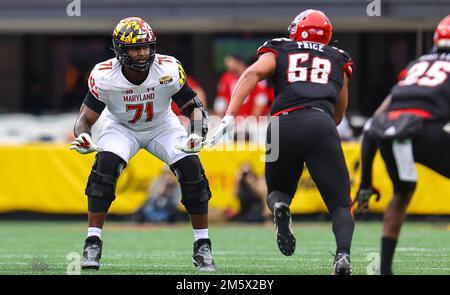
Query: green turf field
(43, 248)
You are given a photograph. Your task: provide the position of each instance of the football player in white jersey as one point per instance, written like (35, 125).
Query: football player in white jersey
(134, 90)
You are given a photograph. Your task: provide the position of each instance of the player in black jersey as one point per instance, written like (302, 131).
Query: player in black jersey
(409, 128)
(311, 85)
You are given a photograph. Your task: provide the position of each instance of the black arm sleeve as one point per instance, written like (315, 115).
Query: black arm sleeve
(184, 95)
(187, 100)
(368, 151)
(93, 103)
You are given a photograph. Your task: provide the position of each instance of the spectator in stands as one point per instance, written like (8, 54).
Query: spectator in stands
(254, 105)
(164, 196)
(267, 86)
(251, 191)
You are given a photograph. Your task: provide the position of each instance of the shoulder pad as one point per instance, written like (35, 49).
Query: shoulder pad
(344, 53)
(104, 67)
(173, 68)
(272, 45)
(275, 42)
(100, 76)
(102, 70)
(165, 59)
(346, 60)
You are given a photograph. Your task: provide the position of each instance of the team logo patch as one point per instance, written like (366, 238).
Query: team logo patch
(165, 80)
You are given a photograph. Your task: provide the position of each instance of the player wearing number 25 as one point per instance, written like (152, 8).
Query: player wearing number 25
(310, 79)
(134, 92)
(409, 128)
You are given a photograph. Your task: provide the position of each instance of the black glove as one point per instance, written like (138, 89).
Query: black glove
(363, 197)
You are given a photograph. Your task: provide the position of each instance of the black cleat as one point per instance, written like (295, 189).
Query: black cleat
(92, 253)
(283, 228)
(202, 257)
(342, 264)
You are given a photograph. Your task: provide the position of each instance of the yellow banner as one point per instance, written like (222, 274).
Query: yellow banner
(51, 179)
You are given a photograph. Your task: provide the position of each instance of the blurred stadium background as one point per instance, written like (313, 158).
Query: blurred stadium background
(46, 56)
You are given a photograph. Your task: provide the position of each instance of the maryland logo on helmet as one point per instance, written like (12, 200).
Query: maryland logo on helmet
(132, 30)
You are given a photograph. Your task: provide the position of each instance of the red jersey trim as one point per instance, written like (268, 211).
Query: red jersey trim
(92, 86)
(288, 111)
(348, 68)
(418, 112)
(265, 49)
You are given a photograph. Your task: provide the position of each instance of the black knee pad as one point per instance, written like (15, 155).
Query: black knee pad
(195, 192)
(103, 178)
(278, 196)
(97, 205)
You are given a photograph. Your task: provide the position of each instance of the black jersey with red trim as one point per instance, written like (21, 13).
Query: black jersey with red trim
(307, 74)
(426, 86)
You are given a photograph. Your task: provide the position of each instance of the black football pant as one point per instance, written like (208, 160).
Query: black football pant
(308, 136)
(431, 149)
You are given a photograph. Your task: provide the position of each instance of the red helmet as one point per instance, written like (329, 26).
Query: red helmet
(442, 33)
(311, 25)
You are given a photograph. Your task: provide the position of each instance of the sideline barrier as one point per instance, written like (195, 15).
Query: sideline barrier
(50, 178)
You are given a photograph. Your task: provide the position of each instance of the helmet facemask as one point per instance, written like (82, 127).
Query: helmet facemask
(292, 29)
(121, 50)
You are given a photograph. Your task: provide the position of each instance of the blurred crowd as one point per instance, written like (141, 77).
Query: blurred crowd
(162, 204)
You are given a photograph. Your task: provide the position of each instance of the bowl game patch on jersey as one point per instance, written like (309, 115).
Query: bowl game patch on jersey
(165, 80)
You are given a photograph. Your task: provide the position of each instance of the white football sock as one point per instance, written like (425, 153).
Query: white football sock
(94, 231)
(201, 234)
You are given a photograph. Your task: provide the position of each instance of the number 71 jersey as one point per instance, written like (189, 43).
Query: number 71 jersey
(139, 107)
(307, 74)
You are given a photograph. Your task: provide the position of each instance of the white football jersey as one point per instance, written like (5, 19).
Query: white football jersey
(139, 107)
